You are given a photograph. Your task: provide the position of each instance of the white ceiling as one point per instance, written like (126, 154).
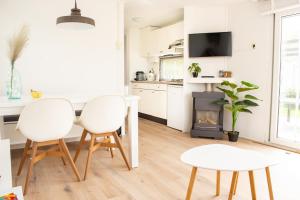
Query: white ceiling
(143, 13)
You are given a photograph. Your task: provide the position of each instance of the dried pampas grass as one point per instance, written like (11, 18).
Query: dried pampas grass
(17, 44)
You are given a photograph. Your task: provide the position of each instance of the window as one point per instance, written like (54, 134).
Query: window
(286, 97)
(171, 68)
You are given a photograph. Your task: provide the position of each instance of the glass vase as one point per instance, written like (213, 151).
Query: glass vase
(14, 85)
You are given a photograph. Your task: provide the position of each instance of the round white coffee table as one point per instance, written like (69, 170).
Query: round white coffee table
(227, 158)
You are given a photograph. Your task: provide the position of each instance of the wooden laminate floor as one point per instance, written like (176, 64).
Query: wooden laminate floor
(161, 175)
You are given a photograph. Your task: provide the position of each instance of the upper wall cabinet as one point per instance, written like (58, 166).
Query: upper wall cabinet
(153, 42)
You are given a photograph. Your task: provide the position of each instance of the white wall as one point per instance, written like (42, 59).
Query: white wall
(248, 26)
(201, 19)
(89, 62)
(62, 61)
(254, 65)
(135, 60)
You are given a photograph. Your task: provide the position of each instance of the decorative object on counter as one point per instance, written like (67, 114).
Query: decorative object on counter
(221, 73)
(195, 69)
(16, 45)
(140, 76)
(75, 21)
(151, 75)
(237, 102)
(36, 94)
(227, 74)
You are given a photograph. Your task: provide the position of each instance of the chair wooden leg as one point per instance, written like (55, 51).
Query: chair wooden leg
(233, 182)
(62, 151)
(218, 183)
(111, 152)
(68, 156)
(121, 149)
(24, 156)
(252, 185)
(33, 155)
(191, 183)
(110, 148)
(92, 142)
(269, 183)
(236, 182)
(81, 143)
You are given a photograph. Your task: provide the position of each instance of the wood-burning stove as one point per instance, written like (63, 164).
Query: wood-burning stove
(207, 116)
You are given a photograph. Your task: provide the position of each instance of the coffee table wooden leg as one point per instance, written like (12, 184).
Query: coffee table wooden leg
(236, 182)
(191, 183)
(218, 183)
(269, 183)
(252, 185)
(233, 182)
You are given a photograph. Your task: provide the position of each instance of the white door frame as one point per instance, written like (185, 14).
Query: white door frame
(276, 81)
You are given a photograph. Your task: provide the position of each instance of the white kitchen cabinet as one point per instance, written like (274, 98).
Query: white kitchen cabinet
(158, 104)
(175, 107)
(153, 42)
(153, 99)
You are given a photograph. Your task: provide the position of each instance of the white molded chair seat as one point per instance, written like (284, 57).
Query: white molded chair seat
(44, 123)
(101, 117)
(103, 114)
(46, 119)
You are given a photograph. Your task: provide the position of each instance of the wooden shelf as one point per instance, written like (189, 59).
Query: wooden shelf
(209, 80)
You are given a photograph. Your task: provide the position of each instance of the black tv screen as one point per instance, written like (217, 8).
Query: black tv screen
(210, 44)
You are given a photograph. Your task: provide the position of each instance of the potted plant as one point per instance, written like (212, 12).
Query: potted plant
(237, 102)
(195, 69)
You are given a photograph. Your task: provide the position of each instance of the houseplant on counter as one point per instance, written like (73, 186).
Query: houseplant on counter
(195, 69)
(237, 102)
(16, 45)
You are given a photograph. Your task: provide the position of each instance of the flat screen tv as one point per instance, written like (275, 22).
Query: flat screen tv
(210, 44)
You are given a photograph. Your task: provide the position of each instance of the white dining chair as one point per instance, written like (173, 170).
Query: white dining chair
(45, 123)
(101, 117)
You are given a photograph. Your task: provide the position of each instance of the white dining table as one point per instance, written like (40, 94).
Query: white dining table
(14, 107)
(219, 157)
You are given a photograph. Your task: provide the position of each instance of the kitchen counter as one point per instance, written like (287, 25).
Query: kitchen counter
(160, 82)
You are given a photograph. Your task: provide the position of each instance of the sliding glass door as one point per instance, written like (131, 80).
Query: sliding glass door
(286, 80)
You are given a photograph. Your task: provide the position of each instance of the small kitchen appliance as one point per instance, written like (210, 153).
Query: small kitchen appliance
(140, 76)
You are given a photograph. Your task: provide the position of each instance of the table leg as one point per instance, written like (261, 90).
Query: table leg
(233, 182)
(191, 184)
(1, 128)
(252, 185)
(236, 182)
(269, 183)
(133, 134)
(218, 183)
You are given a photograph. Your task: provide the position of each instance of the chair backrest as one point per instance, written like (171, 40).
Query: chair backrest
(46, 119)
(103, 114)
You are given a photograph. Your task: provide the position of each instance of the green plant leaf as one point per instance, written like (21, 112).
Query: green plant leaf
(227, 83)
(221, 102)
(238, 103)
(248, 96)
(229, 108)
(245, 110)
(229, 93)
(250, 103)
(251, 85)
(245, 89)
